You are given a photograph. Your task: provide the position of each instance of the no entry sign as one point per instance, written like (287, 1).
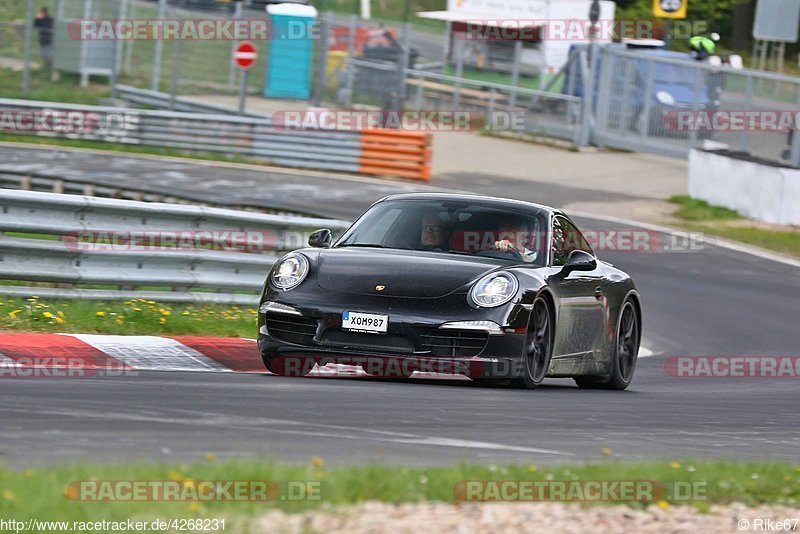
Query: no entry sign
(245, 55)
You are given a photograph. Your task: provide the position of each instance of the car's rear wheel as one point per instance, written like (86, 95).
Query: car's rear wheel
(626, 353)
(287, 366)
(538, 346)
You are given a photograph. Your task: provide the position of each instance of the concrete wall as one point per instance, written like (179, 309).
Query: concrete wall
(761, 192)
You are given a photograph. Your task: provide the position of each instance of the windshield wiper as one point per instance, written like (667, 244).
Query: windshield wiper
(462, 252)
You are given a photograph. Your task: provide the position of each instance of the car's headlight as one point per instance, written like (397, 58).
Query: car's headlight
(665, 98)
(494, 289)
(289, 272)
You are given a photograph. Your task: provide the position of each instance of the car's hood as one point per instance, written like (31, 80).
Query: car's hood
(403, 273)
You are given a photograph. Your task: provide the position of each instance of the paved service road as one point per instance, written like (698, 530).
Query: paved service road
(707, 302)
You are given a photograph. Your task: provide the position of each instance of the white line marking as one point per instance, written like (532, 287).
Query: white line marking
(711, 240)
(151, 353)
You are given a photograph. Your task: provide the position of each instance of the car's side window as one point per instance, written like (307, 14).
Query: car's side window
(566, 238)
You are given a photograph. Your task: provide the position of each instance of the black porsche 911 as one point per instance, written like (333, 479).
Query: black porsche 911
(494, 289)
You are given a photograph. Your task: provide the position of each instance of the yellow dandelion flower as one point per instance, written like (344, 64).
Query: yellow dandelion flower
(59, 320)
(162, 320)
(317, 461)
(210, 457)
(33, 299)
(606, 451)
(137, 309)
(71, 492)
(9, 495)
(195, 507)
(175, 475)
(675, 465)
(186, 313)
(165, 313)
(13, 314)
(150, 301)
(532, 468)
(100, 314)
(48, 315)
(663, 505)
(61, 314)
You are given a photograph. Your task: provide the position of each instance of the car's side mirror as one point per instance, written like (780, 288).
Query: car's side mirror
(320, 238)
(579, 260)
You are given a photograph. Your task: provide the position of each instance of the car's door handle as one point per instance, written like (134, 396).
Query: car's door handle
(598, 293)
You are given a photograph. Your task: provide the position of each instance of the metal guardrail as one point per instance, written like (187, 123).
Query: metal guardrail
(160, 100)
(74, 241)
(252, 137)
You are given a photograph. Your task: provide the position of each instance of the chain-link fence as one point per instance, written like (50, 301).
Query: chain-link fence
(662, 102)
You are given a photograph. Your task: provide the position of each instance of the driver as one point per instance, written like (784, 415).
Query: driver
(513, 236)
(433, 233)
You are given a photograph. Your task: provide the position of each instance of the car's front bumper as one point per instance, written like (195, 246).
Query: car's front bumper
(414, 340)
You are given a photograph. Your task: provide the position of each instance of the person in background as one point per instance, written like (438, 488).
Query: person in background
(702, 47)
(44, 23)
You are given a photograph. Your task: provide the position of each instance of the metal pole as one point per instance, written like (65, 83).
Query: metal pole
(114, 54)
(588, 98)
(237, 14)
(322, 61)
(351, 53)
(158, 50)
(744, 138)
(243, 91)
(176, 69)
(127, 11)
(459, 71)
(794, 152)
(515, 73)
(26, 73)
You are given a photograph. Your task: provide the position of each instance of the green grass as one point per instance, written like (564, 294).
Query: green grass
(133, 317)
(699, 216)
(129, 148)
(47, 494)
(67, 89)
(692, 209)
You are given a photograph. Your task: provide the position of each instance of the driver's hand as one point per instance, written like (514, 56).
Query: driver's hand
(504, 245)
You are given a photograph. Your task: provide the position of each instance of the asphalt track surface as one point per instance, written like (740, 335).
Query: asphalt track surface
(713, 301)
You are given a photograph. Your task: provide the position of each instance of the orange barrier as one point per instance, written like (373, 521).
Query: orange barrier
(396, 153)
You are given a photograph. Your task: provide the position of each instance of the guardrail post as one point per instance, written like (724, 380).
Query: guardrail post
(237, 14)
(322, 60)
(351, 57)
(698, 86)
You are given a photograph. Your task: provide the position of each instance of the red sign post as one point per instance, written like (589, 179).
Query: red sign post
(244, 56)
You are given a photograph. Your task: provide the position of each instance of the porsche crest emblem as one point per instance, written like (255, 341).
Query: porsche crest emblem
(380, 288)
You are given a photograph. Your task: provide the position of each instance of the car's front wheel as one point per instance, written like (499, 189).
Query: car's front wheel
(538, 346)
(626, 353)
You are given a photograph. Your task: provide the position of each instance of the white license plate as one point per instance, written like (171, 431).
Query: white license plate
(371, 323)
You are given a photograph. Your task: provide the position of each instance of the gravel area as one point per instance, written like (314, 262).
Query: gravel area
(440, 518)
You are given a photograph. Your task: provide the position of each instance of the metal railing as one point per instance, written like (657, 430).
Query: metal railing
(167, 252)
(258, 138)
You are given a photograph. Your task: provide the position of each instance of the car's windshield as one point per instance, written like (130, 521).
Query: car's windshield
(452, 227)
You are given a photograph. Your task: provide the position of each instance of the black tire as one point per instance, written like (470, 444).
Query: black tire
(539, 346)
(277, 366)
(626, 353)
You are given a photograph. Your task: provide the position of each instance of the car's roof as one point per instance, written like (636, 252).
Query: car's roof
(484, 199)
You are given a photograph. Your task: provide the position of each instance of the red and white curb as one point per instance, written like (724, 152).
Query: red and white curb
(155, 353)
(151, 353)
